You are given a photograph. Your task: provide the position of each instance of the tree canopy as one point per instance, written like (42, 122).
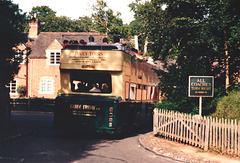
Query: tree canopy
(49, 22)
(103, 17)
(198, 37)
(12, 33)
(105, 21)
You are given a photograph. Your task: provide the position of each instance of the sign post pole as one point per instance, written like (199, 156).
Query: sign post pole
(200, 106)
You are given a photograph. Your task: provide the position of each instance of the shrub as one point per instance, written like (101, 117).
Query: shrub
(187, 105)
(166, 105)
(21, 90)
(229, 106)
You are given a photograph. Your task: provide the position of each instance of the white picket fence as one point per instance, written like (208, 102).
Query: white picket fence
(222, 135)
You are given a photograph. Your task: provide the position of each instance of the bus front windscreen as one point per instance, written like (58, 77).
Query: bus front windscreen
(91, 82)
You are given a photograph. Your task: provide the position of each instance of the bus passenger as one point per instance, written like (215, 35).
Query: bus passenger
(105, 41)
(116, 41)
(82, 42)
(81, 86)
(73, 86)
(65, 43)
(94, 88)
(71, 41)
(75, 42)
(105, 87)
(91, 41)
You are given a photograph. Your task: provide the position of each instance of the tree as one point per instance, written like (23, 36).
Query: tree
(193, 34)
(141, 23)
(137, 30)
(85, 23)
(105, 21)
(12, 33)
(49, 22)
(221, 30)
(172, 33)
(46, 17)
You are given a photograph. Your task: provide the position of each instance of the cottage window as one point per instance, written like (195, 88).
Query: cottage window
(46, 86)
(12, 86)
(54, 58)
(132, 91)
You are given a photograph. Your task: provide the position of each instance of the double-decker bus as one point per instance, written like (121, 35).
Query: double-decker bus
(104, 90)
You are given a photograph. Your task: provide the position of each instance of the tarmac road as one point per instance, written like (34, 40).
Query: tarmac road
(46, 145)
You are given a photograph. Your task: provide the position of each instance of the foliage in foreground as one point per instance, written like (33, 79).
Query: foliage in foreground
(12, 33)
(229, 106)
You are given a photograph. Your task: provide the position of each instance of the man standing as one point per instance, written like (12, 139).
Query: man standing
(91, 40)
(116, 41)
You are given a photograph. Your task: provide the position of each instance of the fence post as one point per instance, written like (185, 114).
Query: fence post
(228, 136)
(232, 138)
(238, 138)
(235, 136)
(206, 145)
(29, 103)
(223, 135)
(155, 121)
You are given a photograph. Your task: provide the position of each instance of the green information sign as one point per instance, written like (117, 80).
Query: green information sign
(200, 86)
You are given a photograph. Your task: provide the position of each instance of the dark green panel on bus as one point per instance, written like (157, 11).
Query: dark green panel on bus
(81, 112)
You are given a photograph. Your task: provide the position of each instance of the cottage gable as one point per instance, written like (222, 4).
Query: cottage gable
(43, 42)
(55, 45)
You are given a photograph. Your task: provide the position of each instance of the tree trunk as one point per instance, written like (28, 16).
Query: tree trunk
(226, 62)
(145, 45)
(227, 69)
(5, 112)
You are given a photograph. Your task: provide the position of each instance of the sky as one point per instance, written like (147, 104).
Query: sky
(78, 8)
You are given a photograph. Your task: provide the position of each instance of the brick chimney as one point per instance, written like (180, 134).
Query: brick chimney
(33, 27)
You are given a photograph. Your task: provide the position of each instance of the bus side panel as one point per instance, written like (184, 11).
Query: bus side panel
(69, 114)
(132, 115)
(126, 116)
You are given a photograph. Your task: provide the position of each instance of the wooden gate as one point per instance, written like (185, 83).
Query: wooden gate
(193, 130)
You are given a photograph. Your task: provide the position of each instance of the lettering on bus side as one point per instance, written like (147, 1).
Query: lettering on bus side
(84, 107)
(88, 53)
(88, 57)
(84, 113)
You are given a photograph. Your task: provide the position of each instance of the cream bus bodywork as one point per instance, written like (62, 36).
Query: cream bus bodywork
(131, 79)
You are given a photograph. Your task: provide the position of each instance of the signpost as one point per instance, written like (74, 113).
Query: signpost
(200, 86)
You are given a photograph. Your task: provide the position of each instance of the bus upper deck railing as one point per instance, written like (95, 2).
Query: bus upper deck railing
(90, 47)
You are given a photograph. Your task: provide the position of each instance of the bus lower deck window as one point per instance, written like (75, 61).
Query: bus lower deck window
(91, 82)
